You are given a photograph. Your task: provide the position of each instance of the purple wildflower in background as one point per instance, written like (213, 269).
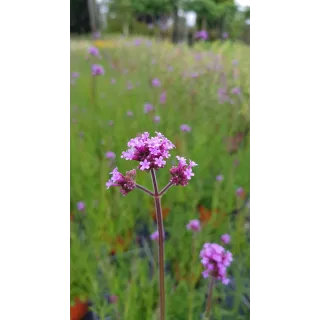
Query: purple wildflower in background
(163, 97)
(239, 192)
(222, 95)
(156, 119)
(75, 75)
(203, 34)
(97, 70)
(129, 86)
(194, 225)
(129, 113)
(113, 81)
(96, 35)
(110, 155)
(156, 82)
(93, 51)
(215, 260)
(225, 238)
(150, 152)
(137, 42)
(194, 75)
(155, 236)
(126, 183)
(80, 206)
(182, 173)
(235, 62)
(219, 177)
(148, 107)
(225, 35)
(236, 91)
(185, 128)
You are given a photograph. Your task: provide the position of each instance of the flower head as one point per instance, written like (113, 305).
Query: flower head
(215, 259)
(225, 238)
(97, 70)
(93, 51)
(148, 107)
(129, 113)
(182, 173)
(240, 192)
(194, 225)
(110, 155)
(81, 206)
(156, 119)
(113, 81)
(126, 183)
(163, 97)
(156, 82)
(75, 75)
(150, 152)
(219, 177)
(185, 127)
(236, 91)
(155, 236)
(203, 34)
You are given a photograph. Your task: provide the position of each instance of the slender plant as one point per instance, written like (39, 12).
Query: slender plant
(152, 153)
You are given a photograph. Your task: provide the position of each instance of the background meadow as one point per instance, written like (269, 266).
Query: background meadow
(202, 106)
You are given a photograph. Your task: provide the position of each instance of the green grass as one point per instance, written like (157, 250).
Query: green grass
(108, 215)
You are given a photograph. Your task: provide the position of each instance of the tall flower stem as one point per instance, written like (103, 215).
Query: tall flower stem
(157, 203)
(209, 299)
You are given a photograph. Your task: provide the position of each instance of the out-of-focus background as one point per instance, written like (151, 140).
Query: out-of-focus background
(181, 68)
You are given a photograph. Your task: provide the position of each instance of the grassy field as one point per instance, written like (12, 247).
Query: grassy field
(206, 88)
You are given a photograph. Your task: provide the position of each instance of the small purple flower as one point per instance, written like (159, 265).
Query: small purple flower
(225, 238)
(182, 173)
(163, 97)
(126, 183)
(236, 91)
(97, 70)
(240, 192)
(194, 225)
(144, 165)
(156, 82)
(155, 236)
(203, 34)
(185, 127)
(75, 75)
(148, 107)
(80, 206)
(137, 42)
(110, 155)
(156, 119)
(113, 81)
(194, 75)
(93, 51)
(129, 113)
(235, 62)
(225, 35)
(129, 86)
(219, 177)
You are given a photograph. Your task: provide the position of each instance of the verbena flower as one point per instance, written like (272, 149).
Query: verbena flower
(148, 107)
(126, 183)
(194, 225)
(156, 119)
(182, 173)
(93, 51)
(215, 260)
(97, 70)
(185, 127)
(110, 155)
(129, 113)
(219, 177)
(155, 236)
(236, 91)
(225, 35)
(150, 152)
(156, 82)
(163, 97)
(81, 206)
(203, 34)
(225, 238)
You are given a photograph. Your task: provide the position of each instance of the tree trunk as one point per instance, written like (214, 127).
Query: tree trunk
(175, 31)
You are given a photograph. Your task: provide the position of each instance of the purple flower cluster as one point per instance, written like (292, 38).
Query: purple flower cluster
(215, 260)
(156, 82)
(182, 173)
(127, 182)
(151, 152)
(97, 70)
(203, 34)
(93, 51)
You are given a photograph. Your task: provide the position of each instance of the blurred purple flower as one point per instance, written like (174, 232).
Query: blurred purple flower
(236, 91)
(225, 35)
(240, 192)
(81, 206)
(185, 127)
(96, 35)
(110, 155)
(225, 238)
(129, 113)
(148, 107)
(203, 34)
(163, 97)
(137, 42)
(97, 70)
(194, 225)
(156, 82)
(113, 81)
(219, 177)
(156, 119)
(75, 75)
(93, 51)
(129, 86)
